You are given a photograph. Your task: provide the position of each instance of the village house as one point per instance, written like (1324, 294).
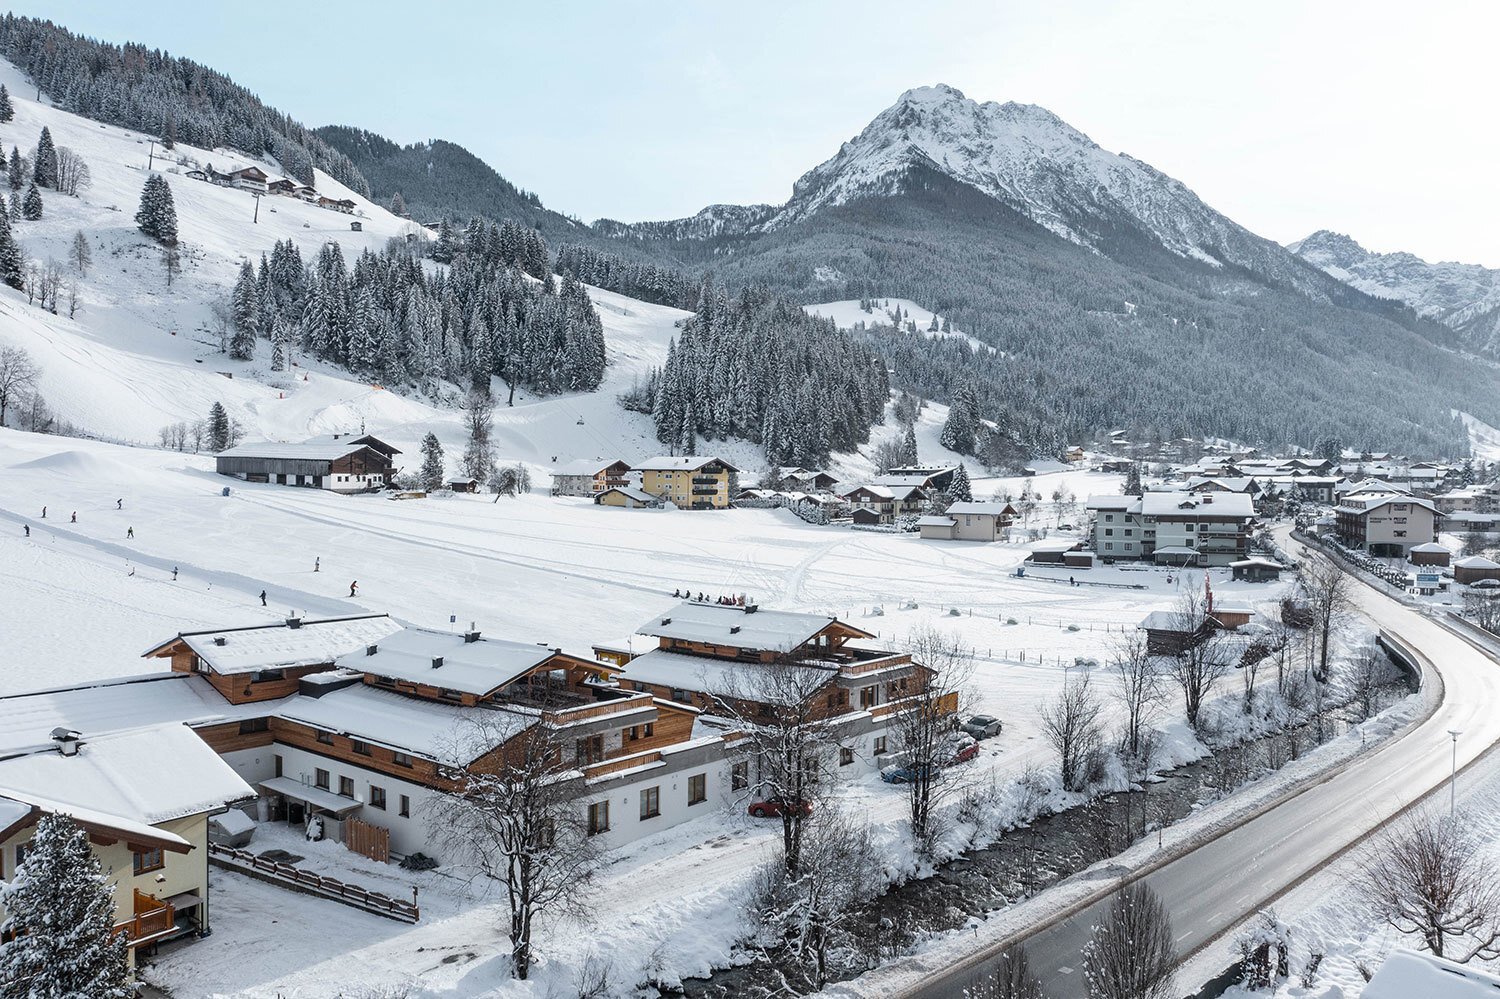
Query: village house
(968, 521)
(1173, 528)
(341, 463)
(588, 477)
(144, 797)
(1386, 525)
(932, 478)
(250, 178)
(1475, 568)
(805, 480)
(1430, 553)
(881, 504)
(715, 657)
(691, 482)
(628, 498)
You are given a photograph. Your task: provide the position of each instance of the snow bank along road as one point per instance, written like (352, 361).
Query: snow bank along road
(1210, 889)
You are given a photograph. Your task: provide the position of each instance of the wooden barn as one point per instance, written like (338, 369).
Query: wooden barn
(341, 463)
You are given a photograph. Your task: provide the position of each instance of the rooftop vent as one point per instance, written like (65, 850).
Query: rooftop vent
(67, 741)
(471, 636)
(734, 630)
(294, 622)
(437, 661)
(370, 650)
(666, 620)
(751, 608)
(220, 640)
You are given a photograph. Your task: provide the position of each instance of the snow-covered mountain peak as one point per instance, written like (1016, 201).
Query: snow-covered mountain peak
(1328, 248)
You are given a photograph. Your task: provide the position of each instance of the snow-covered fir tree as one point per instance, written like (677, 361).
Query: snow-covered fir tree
(433, 474)
(31, 205)
(961, 429)
(1133, 485)
(13, 208)
(218, 428)
(644, 281)
(244, 314)
(909, 446)
(960, 490)
(7, 110)
(761, 369)
(398, 205)
(157, 215)
(15, 170)
(44, 164)
(169, 132)
(59, 921)
(12, 260)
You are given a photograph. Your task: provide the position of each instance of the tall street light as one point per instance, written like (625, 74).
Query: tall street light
(1453, 780)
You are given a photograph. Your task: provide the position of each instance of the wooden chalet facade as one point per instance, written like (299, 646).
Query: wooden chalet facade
(691, 482)
(589, 477)
(340, 463)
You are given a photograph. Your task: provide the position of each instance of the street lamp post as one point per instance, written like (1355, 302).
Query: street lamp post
(1453, 780)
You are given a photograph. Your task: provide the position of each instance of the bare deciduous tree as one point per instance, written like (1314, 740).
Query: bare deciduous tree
(72, 171)
(479, 453)
(79, 254)
(1131, 954)
(781, 707)
(521, 822)
(1204, 660)
(1427, 875)
(1368, 672)
(1331, 598)
(1141, 687)
(1483, 609)
(1071, 724)
(18, 376)
(923, 722)
(1011, 979)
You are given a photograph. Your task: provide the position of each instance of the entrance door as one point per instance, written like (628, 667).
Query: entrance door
(296, 813)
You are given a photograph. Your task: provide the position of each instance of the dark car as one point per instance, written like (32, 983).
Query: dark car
(982, 726)
(903, 773)
(771, 808)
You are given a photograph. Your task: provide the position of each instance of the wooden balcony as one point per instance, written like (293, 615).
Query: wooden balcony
(152, 920)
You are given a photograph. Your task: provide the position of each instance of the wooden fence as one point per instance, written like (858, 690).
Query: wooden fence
(314, 884)
(367, 840)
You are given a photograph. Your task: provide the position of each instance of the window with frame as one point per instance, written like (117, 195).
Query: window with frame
(261, 676)
(401, 759)
(22, 849)
(249, 726)
(589, 749)
(650, 802)
(346, 787)
(277, 761)
(697, 789)
(326, 738)
(880, 745)
(598, 818)
(405, 810)
(145, 861)
(869, 696)
(846, 756)
(377, 797)
(739, 776)
(320, 778)
(360, 748)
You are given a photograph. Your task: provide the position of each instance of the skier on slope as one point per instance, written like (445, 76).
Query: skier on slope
(27, 529)
(75, 517)
(353, 587)
(262, 598)
(130, 532)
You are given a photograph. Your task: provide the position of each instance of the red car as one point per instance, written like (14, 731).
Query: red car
(771, 808)
(965, 748)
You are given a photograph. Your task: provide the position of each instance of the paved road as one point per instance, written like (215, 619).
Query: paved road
(1214, 887)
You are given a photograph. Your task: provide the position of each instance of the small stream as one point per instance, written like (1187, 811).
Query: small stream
(1024, 861)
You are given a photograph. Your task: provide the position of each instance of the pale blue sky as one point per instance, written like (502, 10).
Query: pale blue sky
(1372, 118)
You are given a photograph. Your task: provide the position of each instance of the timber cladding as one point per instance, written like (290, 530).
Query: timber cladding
(341, 747)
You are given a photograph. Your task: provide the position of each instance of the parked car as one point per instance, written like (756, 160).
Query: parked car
(982, 726)
(771, 808)
(902, 773)
(964, 749)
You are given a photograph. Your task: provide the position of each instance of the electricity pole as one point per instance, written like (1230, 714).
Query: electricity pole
(151, 156)
(256, 196)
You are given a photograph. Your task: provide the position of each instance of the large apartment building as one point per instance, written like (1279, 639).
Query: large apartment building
(691, 482)
(1173, 528)
(1387, 525)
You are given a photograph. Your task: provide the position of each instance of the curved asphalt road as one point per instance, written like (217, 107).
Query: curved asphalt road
(1215, 886)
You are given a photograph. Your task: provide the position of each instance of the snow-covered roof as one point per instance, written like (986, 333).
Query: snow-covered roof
(981, 508)
(639, 495)
(27, 720)
(233, 821)
(1053, 545)
(1477, 562)
(1431, 547)
(1256, 560)
(476, 667)
(271, 646)
(306, 450)
(1162, 620)
(1408, 975)
(425, 728)
(685, 462)
(936, 520)
(900, 480)
(150, 775)
(738, 627)
(1113, 503)
(702, 673)
(585, 466)
(1366, 504)
(1179, 505)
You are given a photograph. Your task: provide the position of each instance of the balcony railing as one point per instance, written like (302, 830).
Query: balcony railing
(152, 919)
(705, 480)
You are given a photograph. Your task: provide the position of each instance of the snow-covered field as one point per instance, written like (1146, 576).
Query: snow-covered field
(847, 315)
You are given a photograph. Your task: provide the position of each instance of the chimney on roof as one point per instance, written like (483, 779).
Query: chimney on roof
(294, 622)
(220, 640)
(370, 650)
(472, 635)
(67, 741)
(734, 630)
(437, 661)
(751, 608)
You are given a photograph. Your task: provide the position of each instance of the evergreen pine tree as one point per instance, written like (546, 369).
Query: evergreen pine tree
(909, 446)
(14, 208)
(218, 428)
(7, 112)
(60, 913)
(31, 206)
(960, 489)
(12, 261)
(157, 215)
(244, 314)
(433, 474)
(960, 430)
(169, 132)
(1133, 480)
(16, 171)
(398, 205)
(44, 170)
